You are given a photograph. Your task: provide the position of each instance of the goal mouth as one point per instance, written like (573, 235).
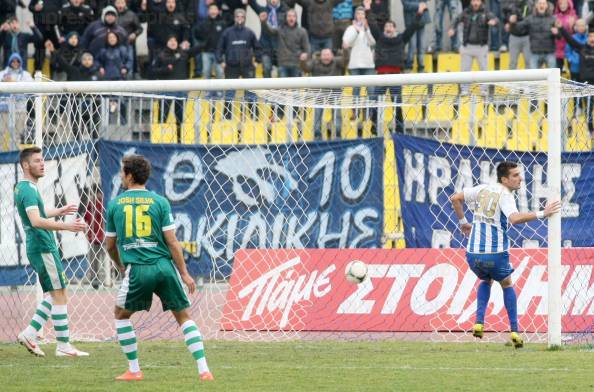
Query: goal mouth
(254, 183)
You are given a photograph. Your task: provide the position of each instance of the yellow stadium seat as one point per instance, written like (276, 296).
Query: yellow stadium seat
(492, 131)
(519, 140)
(225, 132)
(428, 63)
(412, 99)
(440, 108)
(448, 62)
(462, 131)
(504, 61)
(579, 137)
(254, 132)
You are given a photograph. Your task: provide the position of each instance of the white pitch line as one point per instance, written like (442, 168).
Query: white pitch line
(301, 367)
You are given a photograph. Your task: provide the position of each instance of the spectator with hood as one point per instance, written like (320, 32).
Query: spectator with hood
(95, 35)
(565, 14)
(14, 71)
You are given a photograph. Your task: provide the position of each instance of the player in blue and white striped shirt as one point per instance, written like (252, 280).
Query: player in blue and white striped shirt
(494, 207)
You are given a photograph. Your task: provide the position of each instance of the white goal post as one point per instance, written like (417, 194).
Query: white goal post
(539, 78)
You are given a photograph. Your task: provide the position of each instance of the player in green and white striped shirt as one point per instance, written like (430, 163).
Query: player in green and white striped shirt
(43, 255)
(141, 240)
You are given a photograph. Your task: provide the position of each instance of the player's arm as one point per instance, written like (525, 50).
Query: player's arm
(523, 217)
(49, 224)
(178, 258)
(457, 201)
(112, 250)
(66, 210)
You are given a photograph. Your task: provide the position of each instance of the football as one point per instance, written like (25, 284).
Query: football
(356, 271)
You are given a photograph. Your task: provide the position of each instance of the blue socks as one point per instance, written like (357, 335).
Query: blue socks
(511, 305)
(482, 300)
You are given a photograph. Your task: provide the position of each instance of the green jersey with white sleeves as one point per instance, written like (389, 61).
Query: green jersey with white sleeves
(138, 218)
(27, 197)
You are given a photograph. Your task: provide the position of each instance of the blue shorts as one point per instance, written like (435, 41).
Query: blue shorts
(488, 266)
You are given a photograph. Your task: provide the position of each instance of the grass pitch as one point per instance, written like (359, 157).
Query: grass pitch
(307, 366)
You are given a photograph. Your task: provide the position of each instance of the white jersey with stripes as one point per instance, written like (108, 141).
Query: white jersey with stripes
(491, 206)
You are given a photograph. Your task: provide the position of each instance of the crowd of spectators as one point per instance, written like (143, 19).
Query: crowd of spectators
(96, 39)
(213, 32)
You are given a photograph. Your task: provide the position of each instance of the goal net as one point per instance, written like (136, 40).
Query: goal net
(274, 191)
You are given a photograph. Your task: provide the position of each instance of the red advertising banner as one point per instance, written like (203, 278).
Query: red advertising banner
(406, 290)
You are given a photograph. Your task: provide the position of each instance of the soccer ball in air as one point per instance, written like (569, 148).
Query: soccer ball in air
(356, 271)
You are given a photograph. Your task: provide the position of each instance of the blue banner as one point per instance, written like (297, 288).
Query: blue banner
(429, 172)
(314, 195)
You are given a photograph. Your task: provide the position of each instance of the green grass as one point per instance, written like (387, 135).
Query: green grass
(307, 366)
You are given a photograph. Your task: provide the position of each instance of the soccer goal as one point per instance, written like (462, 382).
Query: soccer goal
(275, 188)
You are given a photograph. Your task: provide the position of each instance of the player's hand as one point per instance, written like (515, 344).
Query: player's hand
(189, 281)
(552, 208)
(67, 210)
(465, 229)
(76, 225)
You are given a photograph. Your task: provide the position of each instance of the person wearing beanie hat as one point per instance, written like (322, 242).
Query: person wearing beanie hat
(95, 34)
(70, 52)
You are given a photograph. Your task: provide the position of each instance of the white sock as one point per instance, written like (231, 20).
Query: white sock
(127, 339)
(195, 345)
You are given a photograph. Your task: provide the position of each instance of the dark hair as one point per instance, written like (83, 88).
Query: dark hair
(26, 153)
(503, 169)
(390, 22)
(138, 166)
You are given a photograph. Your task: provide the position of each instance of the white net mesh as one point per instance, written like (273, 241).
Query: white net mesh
(260, 174)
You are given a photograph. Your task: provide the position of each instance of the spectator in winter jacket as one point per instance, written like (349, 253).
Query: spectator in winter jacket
(358, 38)
(276, 12)
(131, 23)
(172, 63)
(237, 50)
(476, 21)
(46, 15)
(540, 25)
(85, 71)
(113, 60)
(325, 64)
(320, 24)
(14, 71)
(206, 37)
(519, 41)
(440, 7)
(586, 67)
(70, 52)
(170, 22)
(573, 57)
(74, 16)
(389, 54)
(17, 41)
(565, 14)
(293, 45)
(411, 10)
(343, 17)
(95, 35)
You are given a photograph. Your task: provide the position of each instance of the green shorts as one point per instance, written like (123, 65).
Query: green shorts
(50, 271)
(142, 280)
